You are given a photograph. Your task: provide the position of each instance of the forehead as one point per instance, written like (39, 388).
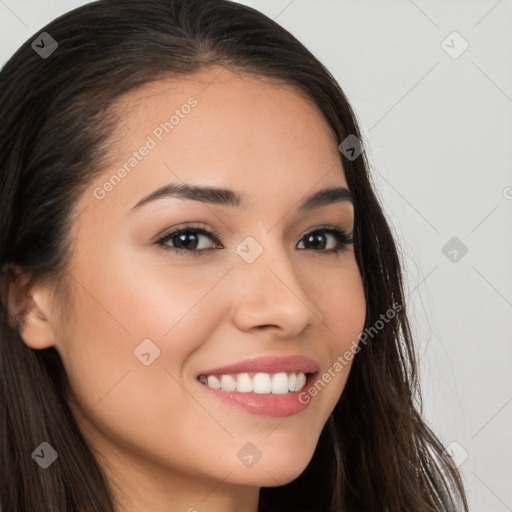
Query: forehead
(226, 129)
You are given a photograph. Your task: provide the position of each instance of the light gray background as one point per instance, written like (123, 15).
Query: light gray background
(438, 131)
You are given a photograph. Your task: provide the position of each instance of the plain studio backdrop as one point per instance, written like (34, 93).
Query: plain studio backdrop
(431, 85)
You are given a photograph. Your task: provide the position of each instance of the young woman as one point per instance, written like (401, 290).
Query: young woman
(202, 302)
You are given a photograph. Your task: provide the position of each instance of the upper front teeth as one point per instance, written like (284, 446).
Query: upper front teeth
(262, 383)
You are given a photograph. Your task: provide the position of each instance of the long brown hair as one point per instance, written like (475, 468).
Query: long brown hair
(375, 452)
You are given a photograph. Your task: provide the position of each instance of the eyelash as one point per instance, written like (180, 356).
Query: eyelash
(342, 237)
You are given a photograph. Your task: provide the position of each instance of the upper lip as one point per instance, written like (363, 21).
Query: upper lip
(269, 364)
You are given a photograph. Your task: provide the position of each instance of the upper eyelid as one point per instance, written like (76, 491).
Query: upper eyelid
(201, 228)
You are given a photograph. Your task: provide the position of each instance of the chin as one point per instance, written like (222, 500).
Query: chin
(279, 469)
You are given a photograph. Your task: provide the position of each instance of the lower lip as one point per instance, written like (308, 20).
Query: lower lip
(278, 406)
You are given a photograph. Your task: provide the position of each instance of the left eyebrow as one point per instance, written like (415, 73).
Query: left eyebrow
(227, 197)
(325, 197)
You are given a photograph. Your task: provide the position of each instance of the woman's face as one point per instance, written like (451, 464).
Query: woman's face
(148, 321)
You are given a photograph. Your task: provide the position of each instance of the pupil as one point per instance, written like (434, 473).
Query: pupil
(317, 239)
(183, 240)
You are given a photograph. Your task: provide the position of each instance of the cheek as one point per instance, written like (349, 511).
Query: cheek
(126, 307)
(163, 311)
(341, 300)
(343, 308)
(141, 295)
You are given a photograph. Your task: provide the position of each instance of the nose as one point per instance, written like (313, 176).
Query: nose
(270, 294)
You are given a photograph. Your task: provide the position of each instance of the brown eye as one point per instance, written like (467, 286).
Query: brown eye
(190, 240)
(320, 237)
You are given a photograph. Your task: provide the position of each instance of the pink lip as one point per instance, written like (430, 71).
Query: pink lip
(278, 406)
(274, 364)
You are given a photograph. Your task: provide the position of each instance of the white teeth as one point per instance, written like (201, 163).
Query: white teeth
(227, 383)
(280, 383)
(301, 380)
(261, 383)
(292, 379)
(244, 383)
(213, 382)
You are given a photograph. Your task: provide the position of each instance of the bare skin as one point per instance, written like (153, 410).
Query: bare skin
(164, 442)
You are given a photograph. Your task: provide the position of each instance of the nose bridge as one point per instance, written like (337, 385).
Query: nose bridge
(270, 292)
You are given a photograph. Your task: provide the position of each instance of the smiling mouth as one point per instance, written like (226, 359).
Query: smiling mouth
(279, 383)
